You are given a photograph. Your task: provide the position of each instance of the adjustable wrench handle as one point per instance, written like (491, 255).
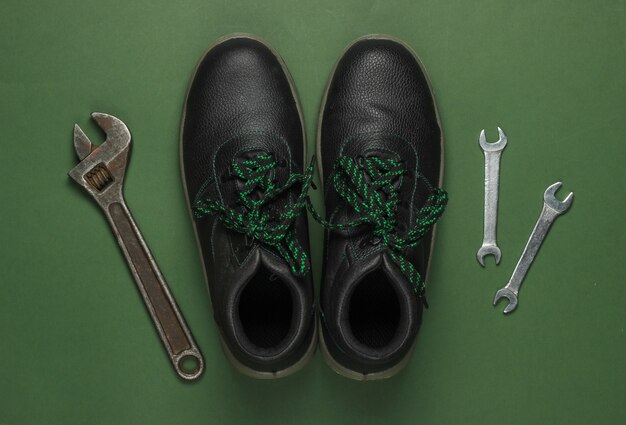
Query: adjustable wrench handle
(544, 222)
(162, 307)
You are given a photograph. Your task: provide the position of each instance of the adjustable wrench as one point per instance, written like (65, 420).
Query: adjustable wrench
(101, 172)
(552, 208)
(492, 152)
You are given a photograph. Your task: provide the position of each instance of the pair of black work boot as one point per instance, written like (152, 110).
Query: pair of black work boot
(246, 176)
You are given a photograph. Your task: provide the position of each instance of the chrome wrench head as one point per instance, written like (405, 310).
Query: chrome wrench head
(551, 201)
(485, 250)
(552, 208)
(495, 146)
(508, 294)
(102, 168)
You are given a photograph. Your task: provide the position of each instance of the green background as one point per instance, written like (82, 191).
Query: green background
(76, 345)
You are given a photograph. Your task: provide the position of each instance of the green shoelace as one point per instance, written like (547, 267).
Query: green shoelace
(272, 228)
(367, 185)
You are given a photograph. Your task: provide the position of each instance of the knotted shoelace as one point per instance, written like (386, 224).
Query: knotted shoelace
(368, 186)
(265, 225)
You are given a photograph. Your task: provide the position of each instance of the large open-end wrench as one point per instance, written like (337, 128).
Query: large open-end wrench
(101, 172)
(552, 208)
(492, 152)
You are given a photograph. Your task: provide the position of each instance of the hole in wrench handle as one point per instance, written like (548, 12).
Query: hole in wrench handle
(189, 364)
(162, 307)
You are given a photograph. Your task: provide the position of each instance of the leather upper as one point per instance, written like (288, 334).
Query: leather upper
(241, 104)
(378, 103)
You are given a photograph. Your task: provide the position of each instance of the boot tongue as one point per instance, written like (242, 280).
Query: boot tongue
(276, 176)
(377, 261)
(274, 264)
(279, 173)
(257, 258)
(389, 146)
(222, 185)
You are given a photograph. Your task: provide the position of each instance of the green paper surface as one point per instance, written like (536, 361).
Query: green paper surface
(76, 344)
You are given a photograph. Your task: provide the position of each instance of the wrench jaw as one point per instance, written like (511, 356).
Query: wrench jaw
(495, 146)
(102, 168)
(117, 134)
(82, 144)
(510, 296)
(551, 201)
(488, 250)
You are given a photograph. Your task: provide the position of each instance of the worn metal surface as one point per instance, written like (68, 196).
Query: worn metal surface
(101, 172)
(552, 208)
(492, 152)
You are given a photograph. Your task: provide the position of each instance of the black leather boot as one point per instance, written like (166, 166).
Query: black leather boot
(380, 149)
(242, 155)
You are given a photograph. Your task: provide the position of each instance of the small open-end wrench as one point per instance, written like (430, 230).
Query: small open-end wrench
(492, 152)
(101, 172)
(552, 208)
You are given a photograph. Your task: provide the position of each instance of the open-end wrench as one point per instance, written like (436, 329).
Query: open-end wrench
(492, 152)
(101, 172)
(552, 208)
